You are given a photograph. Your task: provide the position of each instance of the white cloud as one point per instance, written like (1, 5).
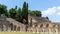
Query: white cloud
(58, 8)
(51, 11)
(58, 13)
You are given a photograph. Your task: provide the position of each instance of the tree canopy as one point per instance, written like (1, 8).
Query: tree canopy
(19, 14)
(47, 18)
(12, 12)
(35, 13)
(3, 9)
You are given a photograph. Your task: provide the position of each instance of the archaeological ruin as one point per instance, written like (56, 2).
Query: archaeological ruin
(35, 24)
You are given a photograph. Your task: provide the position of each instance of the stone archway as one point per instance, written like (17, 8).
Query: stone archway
(14, 27)
(18, 28)
(11, 26)
(41, 25)
(47, 25)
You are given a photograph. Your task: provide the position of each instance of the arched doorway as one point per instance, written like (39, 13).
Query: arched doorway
(41, 25)
(47, 25)
(18, 29)
(11, 26)
(14, 27)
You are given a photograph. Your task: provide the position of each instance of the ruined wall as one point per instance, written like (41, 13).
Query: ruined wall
(43, 28)
(9, 24)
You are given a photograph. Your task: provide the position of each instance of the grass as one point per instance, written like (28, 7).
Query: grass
(21, 33)
(18, 33)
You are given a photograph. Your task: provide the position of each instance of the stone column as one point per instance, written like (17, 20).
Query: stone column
(16, 28)
(26, 27)
(2, 28)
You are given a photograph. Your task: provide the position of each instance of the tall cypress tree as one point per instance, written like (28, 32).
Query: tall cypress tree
(25, 13)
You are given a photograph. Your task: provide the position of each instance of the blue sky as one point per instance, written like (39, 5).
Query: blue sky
(50, 8)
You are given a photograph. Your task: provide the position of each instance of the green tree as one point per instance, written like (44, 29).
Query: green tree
(47, 18)
(35, 13)
(19, 15)
(6, 13)
(38, 13)
(12, 13)
(25, 12)
(15, 7)
(3, 9)
(32, 13)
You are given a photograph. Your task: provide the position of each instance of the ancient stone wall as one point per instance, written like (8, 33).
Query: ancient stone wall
(9, 24)
(44, 28)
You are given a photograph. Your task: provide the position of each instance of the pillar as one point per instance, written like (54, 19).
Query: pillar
(16, 28)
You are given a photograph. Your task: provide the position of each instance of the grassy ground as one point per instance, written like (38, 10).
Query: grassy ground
(18, 33)
(23, 33)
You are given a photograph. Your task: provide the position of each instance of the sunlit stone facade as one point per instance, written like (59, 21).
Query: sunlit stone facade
(41, 24)
(35, 24)
(9, 24)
